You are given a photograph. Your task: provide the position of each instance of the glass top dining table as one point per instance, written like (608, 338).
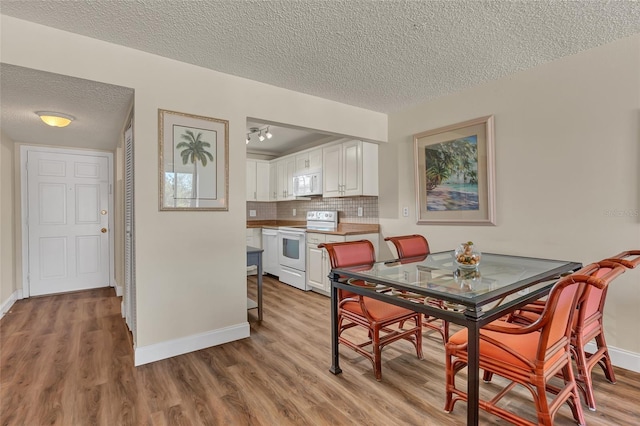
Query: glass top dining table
(471, 297)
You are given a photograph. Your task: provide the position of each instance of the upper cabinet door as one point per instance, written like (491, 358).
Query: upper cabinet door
(251, 180)
(351, 168)
(257, 180)
(262, 181)
(315, 159)
(332, 171)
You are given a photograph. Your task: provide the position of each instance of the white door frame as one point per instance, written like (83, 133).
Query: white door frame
(24, 202)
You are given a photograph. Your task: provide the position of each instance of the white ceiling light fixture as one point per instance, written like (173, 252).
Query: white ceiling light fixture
(55, 119)
(259, 132)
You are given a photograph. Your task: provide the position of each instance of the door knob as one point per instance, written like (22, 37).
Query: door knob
(103, 230)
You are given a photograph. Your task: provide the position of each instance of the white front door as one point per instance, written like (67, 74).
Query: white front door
(68, 225)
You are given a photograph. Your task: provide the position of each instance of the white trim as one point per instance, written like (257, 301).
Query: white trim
(24, 150)
(183, 345)
(119, 289)
(619, 357)
(4, 308)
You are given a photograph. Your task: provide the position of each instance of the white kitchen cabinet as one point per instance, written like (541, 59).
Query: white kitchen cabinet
(257, 180)
(318, 265)
(309, 160)
(270, 263)
(349, 169)
(273, 181)
(285, 169)
(254, 237)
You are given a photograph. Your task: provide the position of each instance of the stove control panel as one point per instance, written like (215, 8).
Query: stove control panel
(331, 216)
(322, 219)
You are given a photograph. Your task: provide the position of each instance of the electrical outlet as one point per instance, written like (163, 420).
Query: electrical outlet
(294, 212)
(359, 211)
(405, 211)
(252, 213)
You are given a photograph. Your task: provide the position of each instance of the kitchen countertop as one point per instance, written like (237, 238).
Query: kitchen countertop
(343, 228)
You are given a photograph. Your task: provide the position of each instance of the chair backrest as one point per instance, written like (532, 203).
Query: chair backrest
(591, 304)
(350, 254)
(410, 246)
(629, 259)
(566, 294)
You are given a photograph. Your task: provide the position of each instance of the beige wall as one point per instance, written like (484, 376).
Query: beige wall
(567, 153)
(190, 266)
(7, 234)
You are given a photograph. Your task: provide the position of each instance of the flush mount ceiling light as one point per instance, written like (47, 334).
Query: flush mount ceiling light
(55, 119)
(261, 137)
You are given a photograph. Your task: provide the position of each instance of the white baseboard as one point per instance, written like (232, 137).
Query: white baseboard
(171, 348)
(4, 308)
(619, 357)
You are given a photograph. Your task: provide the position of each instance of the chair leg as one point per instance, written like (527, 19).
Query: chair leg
(377, 353)
(445, 330)
(449, 383)
(419, 336)
(574, 398)
(605, 361)
(542, 405)
(583, 374)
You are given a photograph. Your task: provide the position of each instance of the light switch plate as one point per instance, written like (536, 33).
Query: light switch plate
(360, 211)
(294, 212)
(252, 213)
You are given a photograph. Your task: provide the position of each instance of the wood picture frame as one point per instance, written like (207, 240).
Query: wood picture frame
(194, 162)
(455, 174)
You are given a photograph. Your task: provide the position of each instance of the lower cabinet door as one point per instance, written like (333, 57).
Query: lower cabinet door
(315, 267)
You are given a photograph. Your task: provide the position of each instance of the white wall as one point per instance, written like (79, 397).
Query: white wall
(190, 266)
(567, 152)
(7, 234)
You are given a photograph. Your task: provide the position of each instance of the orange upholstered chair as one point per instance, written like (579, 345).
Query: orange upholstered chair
(530, 355)
(414, 248)
(380, 320)
(587, 326)
(410, 247)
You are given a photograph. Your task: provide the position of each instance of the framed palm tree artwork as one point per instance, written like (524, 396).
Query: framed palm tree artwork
(455, 174)
(194, 158)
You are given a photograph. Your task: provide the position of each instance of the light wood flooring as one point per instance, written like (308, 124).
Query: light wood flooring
(67, 360)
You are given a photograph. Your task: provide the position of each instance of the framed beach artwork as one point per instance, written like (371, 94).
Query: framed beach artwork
(455, 174)
(194, 162)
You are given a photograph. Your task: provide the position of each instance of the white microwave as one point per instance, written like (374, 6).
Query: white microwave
(307, 183)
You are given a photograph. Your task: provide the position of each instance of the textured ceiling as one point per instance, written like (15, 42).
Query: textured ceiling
(100, 110)
(380, 55)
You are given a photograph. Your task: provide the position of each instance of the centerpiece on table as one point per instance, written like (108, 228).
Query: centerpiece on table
(467, 256)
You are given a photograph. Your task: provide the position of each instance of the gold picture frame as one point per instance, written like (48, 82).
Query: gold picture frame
(194, 162)
(455, 174)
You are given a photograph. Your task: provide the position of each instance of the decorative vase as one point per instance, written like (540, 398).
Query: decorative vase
(467, 256)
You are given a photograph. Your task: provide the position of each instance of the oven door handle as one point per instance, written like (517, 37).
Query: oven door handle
(292, 234)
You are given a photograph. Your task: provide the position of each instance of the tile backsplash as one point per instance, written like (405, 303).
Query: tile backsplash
(347, 208)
